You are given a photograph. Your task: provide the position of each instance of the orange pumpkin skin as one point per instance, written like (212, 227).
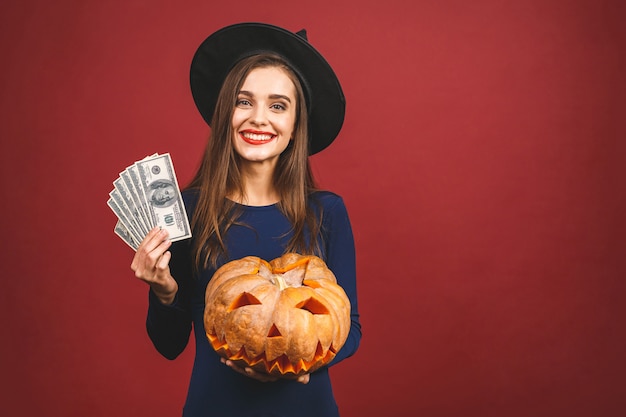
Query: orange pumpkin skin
(285, 318)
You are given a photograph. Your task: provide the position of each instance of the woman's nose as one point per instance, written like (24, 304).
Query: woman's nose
(259, 115)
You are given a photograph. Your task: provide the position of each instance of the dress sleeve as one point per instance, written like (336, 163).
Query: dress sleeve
(169, 326)
(341, 259)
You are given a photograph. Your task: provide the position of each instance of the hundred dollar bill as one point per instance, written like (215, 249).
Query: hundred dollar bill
(130, 176)
(130, 204)
(163, 201)
(124, 183)
(125, 235)
(122, 215)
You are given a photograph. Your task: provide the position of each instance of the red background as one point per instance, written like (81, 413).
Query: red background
(482, 162)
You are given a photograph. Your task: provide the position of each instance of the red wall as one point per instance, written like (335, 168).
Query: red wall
(482, 161)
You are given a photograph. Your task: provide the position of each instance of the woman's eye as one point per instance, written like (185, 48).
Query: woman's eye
(243, 102)
(278, 106)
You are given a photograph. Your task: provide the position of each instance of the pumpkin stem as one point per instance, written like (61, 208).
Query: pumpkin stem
(278, 279)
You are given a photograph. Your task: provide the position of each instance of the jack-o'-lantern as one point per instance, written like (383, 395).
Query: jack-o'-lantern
(285, 318)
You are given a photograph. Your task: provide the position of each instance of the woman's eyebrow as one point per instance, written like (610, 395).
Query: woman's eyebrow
(271, 96)
(279, 97)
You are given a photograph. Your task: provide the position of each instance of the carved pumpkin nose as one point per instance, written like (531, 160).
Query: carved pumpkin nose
(285, 318)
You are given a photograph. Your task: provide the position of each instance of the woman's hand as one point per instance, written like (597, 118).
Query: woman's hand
(151, 265)
(303, 379)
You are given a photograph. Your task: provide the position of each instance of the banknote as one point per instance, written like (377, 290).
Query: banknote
(122, 196)
(125, 235)
(123, 216)
(130, 176)
(124, 182)
(146, 194)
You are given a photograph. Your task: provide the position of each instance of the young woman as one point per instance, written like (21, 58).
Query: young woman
(271, 100)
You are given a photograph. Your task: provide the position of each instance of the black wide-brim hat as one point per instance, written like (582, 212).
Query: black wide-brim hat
(223, 49)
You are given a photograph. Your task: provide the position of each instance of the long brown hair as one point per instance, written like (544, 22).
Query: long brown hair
(219, 174)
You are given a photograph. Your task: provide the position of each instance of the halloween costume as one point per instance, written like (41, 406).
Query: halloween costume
(215, 389)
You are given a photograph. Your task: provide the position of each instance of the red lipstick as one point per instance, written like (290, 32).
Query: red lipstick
(256, 137)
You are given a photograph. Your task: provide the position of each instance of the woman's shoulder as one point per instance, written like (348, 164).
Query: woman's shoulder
(326, 199)
(330, 206)
(332, 212)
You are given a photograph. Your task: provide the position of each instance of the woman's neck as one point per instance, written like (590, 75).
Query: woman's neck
(258, 186)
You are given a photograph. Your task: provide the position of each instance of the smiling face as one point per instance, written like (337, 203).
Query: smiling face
(264, 116)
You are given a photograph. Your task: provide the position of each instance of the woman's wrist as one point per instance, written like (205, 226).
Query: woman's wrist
(165, 297)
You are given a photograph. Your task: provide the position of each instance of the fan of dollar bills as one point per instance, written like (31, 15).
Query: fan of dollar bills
(147, 195)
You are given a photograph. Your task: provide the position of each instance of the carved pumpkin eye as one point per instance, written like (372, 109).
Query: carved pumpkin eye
(298, 320)
(244, 299)
(313, 306)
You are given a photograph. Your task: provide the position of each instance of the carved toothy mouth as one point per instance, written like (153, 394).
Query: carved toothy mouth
(277, 366)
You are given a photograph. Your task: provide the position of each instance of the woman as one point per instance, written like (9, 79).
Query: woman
(271, 101)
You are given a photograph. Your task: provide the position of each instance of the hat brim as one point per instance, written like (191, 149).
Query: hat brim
(223, 49)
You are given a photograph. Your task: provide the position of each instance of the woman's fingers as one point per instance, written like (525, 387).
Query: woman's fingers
(249, 372)
(150, 259)
(151, 265)
(144, 247)
(152, 239)
(259, 376)
(155, 238)
(164, 260)
(303, 379)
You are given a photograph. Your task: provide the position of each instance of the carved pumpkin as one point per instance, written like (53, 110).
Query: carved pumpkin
(284, 318)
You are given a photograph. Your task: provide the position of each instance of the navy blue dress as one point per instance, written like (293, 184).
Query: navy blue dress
(215, 389)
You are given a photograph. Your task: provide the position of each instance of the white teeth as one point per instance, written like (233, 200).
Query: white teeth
(255, 136)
